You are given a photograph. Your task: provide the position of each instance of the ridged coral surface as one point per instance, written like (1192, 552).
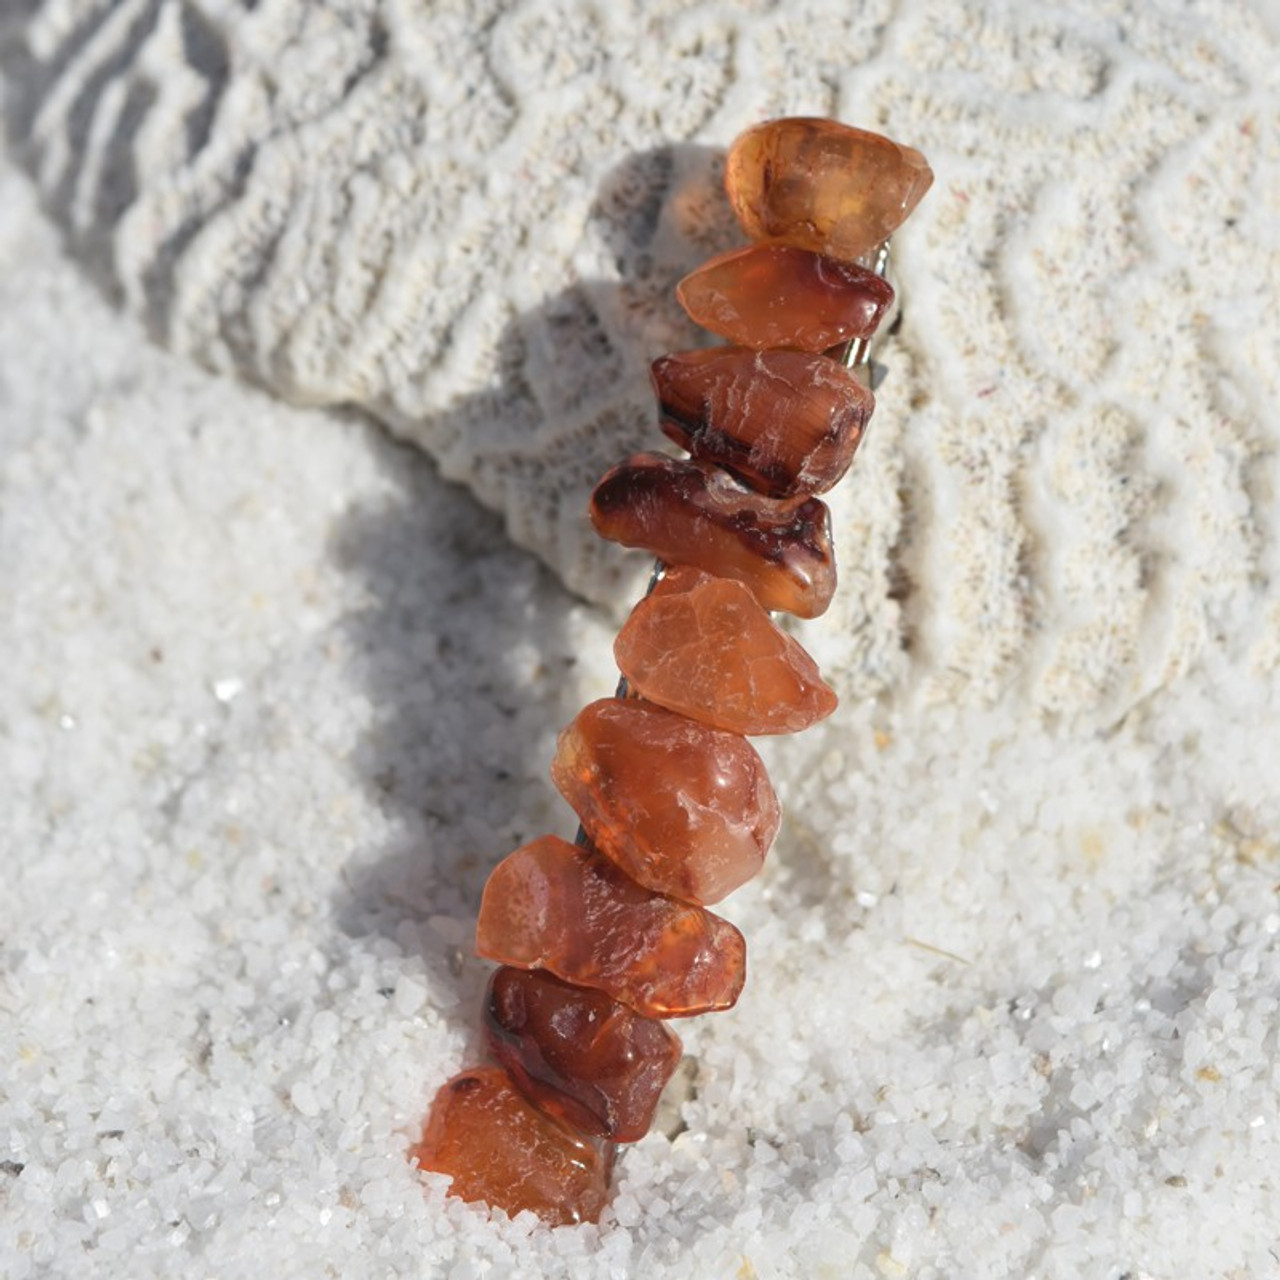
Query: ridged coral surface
(468, 219)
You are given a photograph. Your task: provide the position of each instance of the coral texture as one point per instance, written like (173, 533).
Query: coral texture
(467, 220)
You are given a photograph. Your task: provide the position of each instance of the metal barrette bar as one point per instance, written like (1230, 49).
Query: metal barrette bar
(858, 352)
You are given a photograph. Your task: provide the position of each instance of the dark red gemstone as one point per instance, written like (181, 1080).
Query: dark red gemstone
(693, 513)
(578, 1054)
(786, 422)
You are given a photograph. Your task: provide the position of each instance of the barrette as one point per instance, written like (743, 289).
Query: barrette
(603, 941)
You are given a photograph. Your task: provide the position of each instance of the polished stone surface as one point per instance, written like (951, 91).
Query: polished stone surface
(557, 906)
(693, 513)
(503, 1152)
(822, 185)
(785, 422)
(682, 808)
(777, 295)
(577, 1054)
(704, 647)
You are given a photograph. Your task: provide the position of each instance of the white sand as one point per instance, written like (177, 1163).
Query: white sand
(274, 699)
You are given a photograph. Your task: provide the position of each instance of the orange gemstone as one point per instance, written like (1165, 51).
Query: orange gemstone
(703, 646)
(682, 808)
(578, 1054)
(553, 905)
(775, 295)
(823, 186)
(502, 1151)
(785, 422)
(692, 513)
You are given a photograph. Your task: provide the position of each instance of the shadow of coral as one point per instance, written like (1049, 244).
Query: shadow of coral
(473, 672)
(461, 649)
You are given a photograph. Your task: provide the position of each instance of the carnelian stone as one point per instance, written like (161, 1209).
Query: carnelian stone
(578, 1054)
(553, 905)
(823, 186)
(776, 295)
(682, 808)
(501, 1150)
(693, 513)
(702, 646)
(785, 422)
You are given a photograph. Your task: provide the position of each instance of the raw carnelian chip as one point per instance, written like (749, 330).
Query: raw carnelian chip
(785, 422)
(703, 646)
(577, 1054)
(499, 1149)
(682, 808)
(553, 905)
(775, 295)
(823, 186)
(692, 513)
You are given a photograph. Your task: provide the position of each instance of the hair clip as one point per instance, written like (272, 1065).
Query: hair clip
(603, 941)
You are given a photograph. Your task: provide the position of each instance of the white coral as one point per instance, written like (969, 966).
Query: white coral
(467, 219)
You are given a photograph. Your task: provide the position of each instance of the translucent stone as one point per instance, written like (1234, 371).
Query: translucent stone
(702, 646)
(823, 186)
(775, 295)
(682, 808)
(579, 1055)
(553, 905)
(502, 1151)
(693, 513)
(785, 422)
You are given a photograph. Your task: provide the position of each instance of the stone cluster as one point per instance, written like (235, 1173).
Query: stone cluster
(603, 940)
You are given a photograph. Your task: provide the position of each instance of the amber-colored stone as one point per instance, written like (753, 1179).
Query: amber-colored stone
(577, 1054)
(682, 808)
(785, 422)
(823, 186)
(557, 906)
(693, 513)
(702, 646)
(776, 295)
(502, 1150)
